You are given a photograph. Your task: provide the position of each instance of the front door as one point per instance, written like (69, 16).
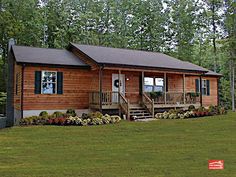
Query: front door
(115, 86)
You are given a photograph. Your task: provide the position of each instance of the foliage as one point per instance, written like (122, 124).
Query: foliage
(191, 112)
(155, 95)
(57, 114)
(191, 107)
(70, 112)
(202, 32)
(59, 118)
(3, 99)
(43, 114)
(193, 94)
(34, 120)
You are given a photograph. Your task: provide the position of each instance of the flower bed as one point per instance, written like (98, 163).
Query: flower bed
(191, 113)
(70, 118)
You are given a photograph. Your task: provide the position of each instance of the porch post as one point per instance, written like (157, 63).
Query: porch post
(119, 91)
(200, 89)
(218, 88)
(184, 87)
(165, 87)
(100, 88)
(142, 82)
(119, 81)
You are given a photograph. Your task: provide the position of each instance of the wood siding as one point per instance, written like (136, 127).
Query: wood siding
(175, 82)
(207, 100)
(76, 85)
(84, 58)
(17, 86)
(131, 84)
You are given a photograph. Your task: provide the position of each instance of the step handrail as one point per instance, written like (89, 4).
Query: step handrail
(148, 103)
(124, 105)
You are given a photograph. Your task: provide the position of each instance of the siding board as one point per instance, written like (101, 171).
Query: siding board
(77, 83)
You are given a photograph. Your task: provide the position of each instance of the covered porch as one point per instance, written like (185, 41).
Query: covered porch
(123, 89)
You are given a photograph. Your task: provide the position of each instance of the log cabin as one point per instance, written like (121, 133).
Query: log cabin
(87, 78)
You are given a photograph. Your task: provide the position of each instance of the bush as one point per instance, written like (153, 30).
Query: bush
(96, 121)
(85, 116)
(33, 120)
(175, 114)
(155, 95)
(106, 119)
(43, 114)
(70, 112)
(57, 114)
(191, 107)
(85, 122)
(115, 119)
(58, 118)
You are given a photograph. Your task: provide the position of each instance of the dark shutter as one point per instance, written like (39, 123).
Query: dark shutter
(37, 82)
(59, 83)
(208, 87)
(197, 85)
(166, 84)
(140, 85)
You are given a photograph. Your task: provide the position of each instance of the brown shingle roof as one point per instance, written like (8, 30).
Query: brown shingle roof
(212, 73)
(108, 55)
(25, 54)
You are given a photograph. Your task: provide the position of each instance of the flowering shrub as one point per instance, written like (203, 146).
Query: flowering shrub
(59, 118)
(191, 113)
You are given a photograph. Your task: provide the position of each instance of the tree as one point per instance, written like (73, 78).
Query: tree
(231, 28)
(214, 6)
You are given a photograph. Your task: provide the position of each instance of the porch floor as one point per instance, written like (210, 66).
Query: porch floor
(156, 106)
(175, 105)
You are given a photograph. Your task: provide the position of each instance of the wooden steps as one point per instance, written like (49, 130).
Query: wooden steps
(138, 112)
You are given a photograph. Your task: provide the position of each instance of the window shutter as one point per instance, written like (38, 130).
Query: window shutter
(208, 87)
(197, 85)
(59, 83)
(166, 84)
(37, 82)
(140, 85)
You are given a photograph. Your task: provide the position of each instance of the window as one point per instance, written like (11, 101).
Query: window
(153, 84)
(49, 82)
(205, 87)
(148, 84)
(159, 85)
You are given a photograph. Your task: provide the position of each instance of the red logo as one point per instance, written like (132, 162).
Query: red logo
(215, 164)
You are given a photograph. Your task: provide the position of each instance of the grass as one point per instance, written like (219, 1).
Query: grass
(163, 148)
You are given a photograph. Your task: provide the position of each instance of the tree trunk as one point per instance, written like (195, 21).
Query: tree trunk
(214, 35)
(233, 86)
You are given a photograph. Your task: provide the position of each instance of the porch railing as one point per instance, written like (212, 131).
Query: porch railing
(108, 98)
(124, 105)
(148, 103)
(175, 98)
(192, 98)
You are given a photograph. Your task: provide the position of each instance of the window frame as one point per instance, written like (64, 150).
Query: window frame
(154, 84)
(42, 73)
(204, 87)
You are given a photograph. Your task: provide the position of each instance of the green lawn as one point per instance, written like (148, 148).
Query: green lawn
(165, 148)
